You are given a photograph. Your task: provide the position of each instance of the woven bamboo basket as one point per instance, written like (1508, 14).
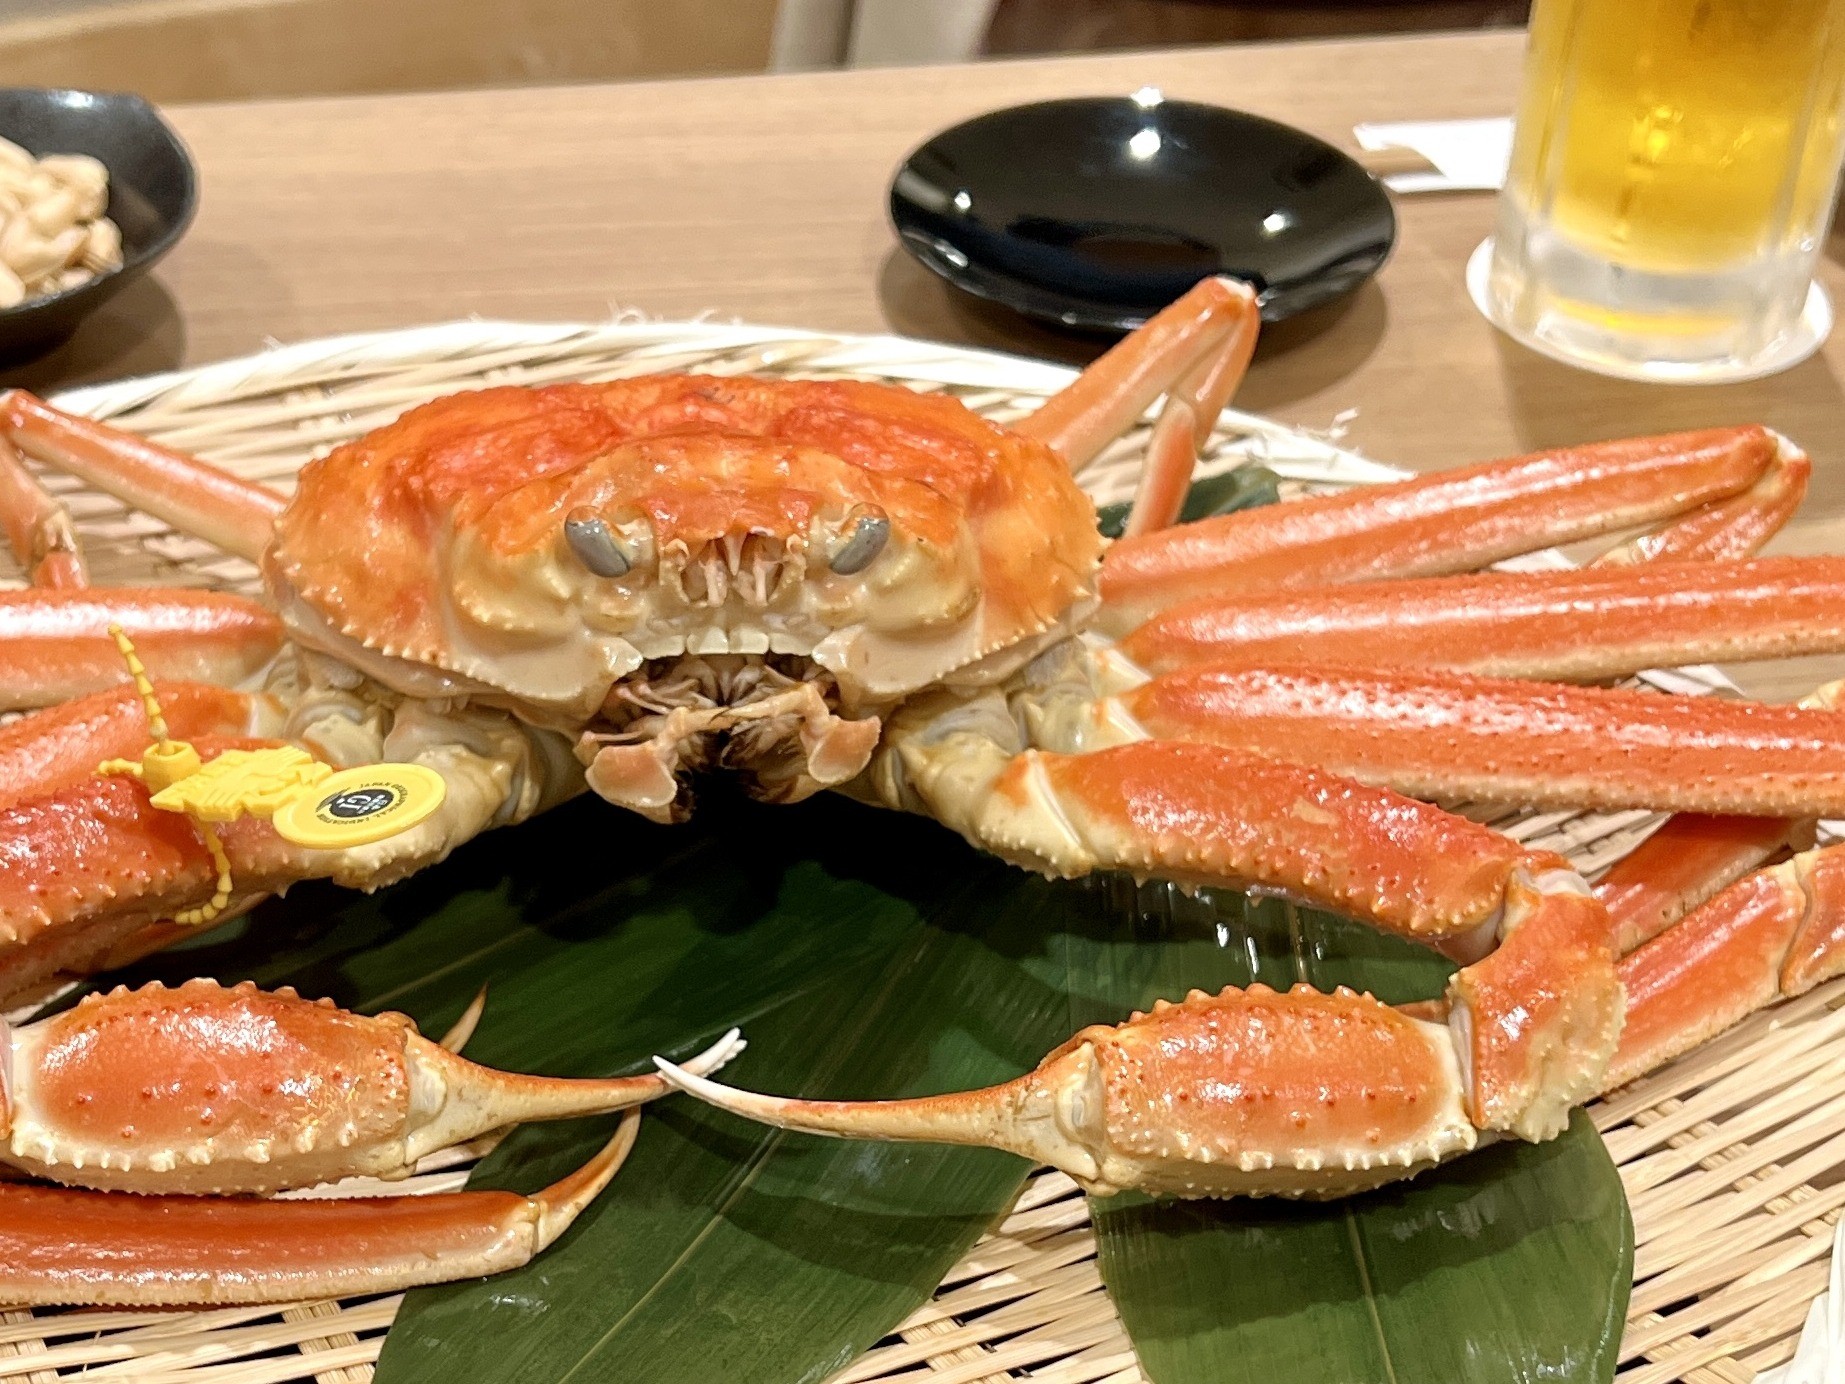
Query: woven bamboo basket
(1730, 1157)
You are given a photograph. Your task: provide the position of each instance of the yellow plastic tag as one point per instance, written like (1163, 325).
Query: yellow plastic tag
(356, 807)
(257, 782)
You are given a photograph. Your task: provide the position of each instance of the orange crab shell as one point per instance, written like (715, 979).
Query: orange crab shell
(434, 545)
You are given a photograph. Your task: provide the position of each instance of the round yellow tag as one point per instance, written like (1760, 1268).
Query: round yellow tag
(356, 807)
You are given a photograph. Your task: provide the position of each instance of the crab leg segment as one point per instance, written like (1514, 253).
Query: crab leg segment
(1693, 856)
(37, 527)
(56, 644)
(1778, 932)
(204, 1089)
(1582, 625)
(1452, 521)
(201, 500)
(1448, 735)
(62, 745)
(1726, 530)
(62, 1247)
(1195, 352)
(1685, 862)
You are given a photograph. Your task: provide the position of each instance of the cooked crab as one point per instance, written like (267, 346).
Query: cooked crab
(845, 585)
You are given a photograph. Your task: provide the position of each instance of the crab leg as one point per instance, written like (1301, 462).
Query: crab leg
(1725, 530)
(1581, 625)
(37, 527)
(1531, 1021)
(224, 510)
(1195, 352)
(1692, 856)
(1449, 735)
(259, 1092)
(87, 866)
(1253, 1093)
(1451, 521)
(1684, 863)
(90, 865)
(1773, 934)
(56, 643)
(62, 745)
(62, 1247)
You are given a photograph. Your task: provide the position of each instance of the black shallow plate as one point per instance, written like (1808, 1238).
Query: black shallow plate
(1098, 211)
(152, 195)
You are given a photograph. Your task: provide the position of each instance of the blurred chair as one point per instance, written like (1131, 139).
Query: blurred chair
(213, 50)
(1061, 26)
(875, 33)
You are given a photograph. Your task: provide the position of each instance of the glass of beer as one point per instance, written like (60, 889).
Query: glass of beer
(1672, 178)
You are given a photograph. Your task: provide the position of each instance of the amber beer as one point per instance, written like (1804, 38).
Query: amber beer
(1672, 177)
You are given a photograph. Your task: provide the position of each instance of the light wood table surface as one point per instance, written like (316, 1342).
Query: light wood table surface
(763, 198)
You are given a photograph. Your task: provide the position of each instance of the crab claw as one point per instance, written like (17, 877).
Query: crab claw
(203, 1089)
(60, 1247)
(1244, 1093)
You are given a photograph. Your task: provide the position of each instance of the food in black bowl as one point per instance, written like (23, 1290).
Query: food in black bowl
(147, 201)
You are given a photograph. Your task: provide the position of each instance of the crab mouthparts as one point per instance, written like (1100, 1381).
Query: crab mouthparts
(773, 721)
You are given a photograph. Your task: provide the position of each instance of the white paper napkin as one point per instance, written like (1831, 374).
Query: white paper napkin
(1470, 154)
(1820, 1356)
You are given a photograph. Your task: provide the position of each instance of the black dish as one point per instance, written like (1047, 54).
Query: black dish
(1096, 212)
(153, 192)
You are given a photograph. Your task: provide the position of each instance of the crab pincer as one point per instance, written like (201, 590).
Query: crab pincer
(185, 1094)
(208, 1089)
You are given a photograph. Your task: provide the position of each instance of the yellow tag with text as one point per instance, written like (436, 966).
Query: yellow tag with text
(356, 807)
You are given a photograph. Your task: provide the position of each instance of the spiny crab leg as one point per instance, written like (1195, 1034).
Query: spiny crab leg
(1195, 352)
(1254, 1092)
(224, 510)
(1534, 1012)
(1447, 522)
(57, 643)
(63, 1247)
(1247, 1093)
(203, 1089)
(1582, 625)
(60, 746)
(1454, 736)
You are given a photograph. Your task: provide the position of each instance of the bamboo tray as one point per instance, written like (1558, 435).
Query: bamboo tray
(1731, 1157)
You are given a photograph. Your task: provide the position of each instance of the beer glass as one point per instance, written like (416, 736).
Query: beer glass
(1672, 177)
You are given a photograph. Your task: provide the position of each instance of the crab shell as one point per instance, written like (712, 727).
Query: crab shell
(432, 553)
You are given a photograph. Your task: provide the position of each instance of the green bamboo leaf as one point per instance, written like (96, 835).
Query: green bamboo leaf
(1511, 1265)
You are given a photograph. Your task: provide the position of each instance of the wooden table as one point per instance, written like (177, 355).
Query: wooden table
(763, 198)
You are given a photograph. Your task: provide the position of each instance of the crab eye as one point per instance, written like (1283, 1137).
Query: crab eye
(865, 542)
(589, 538)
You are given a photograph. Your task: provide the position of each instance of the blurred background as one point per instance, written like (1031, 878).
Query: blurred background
(207, 50)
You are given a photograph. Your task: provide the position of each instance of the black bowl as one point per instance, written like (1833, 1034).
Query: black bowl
(153, 192)
(1096, 212)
